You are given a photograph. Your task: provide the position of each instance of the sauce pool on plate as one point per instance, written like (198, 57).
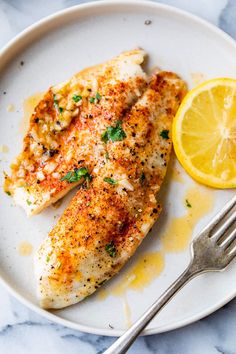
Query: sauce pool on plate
(25, 249)
(29, 105)
(179, 230)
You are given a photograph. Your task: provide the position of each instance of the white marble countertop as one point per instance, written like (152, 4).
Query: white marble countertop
(21, 330)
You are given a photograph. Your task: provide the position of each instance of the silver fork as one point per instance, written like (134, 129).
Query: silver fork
(212, 250)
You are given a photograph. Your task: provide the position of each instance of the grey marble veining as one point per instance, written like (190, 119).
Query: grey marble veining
(23, 331)
(227, 18)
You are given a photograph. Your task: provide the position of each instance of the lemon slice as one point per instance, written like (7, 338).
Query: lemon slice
(204, 133)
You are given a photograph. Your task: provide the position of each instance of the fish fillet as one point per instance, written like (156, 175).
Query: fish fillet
(104, 223)
(64, 131)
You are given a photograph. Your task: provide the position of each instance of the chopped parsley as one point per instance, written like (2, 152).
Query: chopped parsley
(28, 202)
(8, 193)
(95, 99)
(98, 96)
(115, 133)
(107, 156)
(111, 249)
(110, 180)
(47, 259)
(142, 178)
(188, 204)
(92, 99)
(165, 134)
(77, 98)
(76, 175)
(56, 104)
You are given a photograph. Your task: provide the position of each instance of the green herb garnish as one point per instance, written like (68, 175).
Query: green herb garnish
(76, 175)
(92, 99)
(8, 193)
(165, 134)
(88, 179)
(98, 96)
(56, 104)
(107, 156)
(115, 133)
(77, 98)
(188, 204)
(47, 259)
(95, 99)
(142, 178)
(55, 100)
(111, 249)
(109, 180)
(28, 202)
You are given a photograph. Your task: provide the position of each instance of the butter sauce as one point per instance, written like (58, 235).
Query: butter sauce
(147, 267)
(179, 230)
(4, 149)
(11, 107)
(29, 105)
(25, 249)
(176, 175)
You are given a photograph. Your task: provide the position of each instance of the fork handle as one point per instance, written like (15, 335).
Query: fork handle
(122, 344)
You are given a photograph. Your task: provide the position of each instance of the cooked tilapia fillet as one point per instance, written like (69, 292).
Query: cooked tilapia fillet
(104, 224)
(64, 129)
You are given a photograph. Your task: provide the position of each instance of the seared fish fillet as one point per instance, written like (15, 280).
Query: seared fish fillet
(64, 131)
(104, 224)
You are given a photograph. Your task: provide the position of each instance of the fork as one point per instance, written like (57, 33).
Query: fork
(212, 250)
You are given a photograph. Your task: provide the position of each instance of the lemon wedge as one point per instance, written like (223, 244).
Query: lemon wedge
(204, 133)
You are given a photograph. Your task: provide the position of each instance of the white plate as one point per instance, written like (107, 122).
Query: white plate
(52, 51)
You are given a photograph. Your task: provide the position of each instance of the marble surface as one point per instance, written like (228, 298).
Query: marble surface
(21, 330)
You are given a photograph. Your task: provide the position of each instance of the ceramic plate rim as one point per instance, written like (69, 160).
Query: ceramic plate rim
(23, 37)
